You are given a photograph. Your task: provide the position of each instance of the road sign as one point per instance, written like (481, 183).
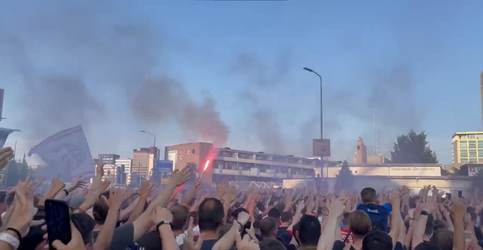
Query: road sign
(321, 147)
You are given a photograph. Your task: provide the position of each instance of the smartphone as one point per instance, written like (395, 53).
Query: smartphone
(448, 196)
(57, 217)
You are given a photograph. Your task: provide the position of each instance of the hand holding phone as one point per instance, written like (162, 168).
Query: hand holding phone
(57, 217)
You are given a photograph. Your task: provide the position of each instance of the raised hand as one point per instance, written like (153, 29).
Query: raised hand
(57, 184)
(6, 154)
(116, 198)
(100, 169)
(24, 209)
(221, 188)
(180, 177)
(230, 195)
(145, 189)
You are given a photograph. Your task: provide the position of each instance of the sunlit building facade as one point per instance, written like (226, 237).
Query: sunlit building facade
(467, 147)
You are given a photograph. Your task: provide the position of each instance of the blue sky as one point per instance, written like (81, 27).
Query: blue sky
(411, 64)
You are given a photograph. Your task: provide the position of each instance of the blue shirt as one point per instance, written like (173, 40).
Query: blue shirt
(377, 213)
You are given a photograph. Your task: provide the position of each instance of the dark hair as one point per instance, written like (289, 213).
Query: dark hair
(443, 238)
(210, 214)
(100, 210)
(85, 224)
(268, 226)
(427, 246)
(309, 230)
(286, 216)
(439, 224)
(272, 244)
(377, 240)
(368, 195)
(274, 213)
(180, 217)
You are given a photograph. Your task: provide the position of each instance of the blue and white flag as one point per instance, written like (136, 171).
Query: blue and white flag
(4, 133)
(66, 154)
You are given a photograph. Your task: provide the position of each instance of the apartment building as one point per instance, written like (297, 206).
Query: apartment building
(242, 165)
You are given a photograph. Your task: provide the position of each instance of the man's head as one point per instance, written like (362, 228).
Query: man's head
(286, 218)
(180, 217)
(101, 208)
(443, 238)
(271, 244)
(439, 224)
(275, 213)
(210, 215)
(268, 227)
(368, 195)
(309, 231)
(359, 224)
(427, 246)
(377, 240)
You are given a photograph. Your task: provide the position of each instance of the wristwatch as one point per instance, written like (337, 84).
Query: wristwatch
(162, 223)
(424, 213)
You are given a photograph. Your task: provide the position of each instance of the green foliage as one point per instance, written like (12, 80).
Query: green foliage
(345, 179)
(413, 148)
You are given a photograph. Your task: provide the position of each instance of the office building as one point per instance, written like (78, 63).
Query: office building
(241, 165)
(467, 147)
(143, 162)
(123, 171)
(108, 158)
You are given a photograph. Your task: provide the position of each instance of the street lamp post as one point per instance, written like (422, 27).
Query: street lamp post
(321, 104)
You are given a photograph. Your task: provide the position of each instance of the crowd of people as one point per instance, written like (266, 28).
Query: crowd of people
(231, 217)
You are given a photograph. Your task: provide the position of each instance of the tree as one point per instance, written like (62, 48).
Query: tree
(413, 148)
(344, 180)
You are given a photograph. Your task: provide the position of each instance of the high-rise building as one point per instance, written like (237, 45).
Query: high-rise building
(467, 147)
(143, 161)
(123, 171)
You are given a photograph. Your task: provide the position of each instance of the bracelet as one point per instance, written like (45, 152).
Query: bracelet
(19, 235)
(66, 192)
(12, 241)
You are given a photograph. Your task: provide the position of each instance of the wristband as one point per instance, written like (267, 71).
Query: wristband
(66, 192)
(162, 223)
(424, 213)
(11, 240)
(19, 235)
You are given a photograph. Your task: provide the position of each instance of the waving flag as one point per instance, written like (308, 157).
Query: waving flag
(66, 153)
(4, 133)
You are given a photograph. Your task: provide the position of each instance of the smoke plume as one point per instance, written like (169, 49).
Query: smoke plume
(67, 58)
(165, 99)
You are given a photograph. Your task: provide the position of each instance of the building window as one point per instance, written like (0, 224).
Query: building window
(464, 160)
(480, 153)
(464, 153)
(473, 160)
(471, 136)
(472, 144)
(463, 144)
(472, 153)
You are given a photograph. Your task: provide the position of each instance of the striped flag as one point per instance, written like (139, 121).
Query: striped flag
(67, 154)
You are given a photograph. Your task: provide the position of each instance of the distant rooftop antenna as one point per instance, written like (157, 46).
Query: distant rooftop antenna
(374, 128)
